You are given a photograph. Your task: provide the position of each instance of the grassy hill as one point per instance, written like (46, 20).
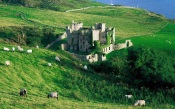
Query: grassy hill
(31, 71)
(125, 20)
(77, 88)
(57, 5)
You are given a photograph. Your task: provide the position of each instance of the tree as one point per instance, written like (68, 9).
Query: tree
(150, 68)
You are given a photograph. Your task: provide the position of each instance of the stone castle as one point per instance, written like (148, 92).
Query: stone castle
(82, 40)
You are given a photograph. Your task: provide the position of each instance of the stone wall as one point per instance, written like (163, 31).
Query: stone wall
(127, 43)
(108, 49)
(90, 58)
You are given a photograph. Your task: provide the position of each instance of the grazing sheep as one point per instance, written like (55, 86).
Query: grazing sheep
(29, 51)
(23, 92)
(140, 102)
(53, 95)
(20, 49)
(49, 64)
(85, 67)
(37, 46)
(128, 96)
(6, 49)
(57, 58)
(13, 49)
(7, 63)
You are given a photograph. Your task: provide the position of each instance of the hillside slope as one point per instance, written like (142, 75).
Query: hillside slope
(125, 20)
(77, 88)
(58, 5)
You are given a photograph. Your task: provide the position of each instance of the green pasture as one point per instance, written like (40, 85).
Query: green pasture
(77, 88)
(122, 18)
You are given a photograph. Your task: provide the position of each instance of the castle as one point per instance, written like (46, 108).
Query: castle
(84, 40)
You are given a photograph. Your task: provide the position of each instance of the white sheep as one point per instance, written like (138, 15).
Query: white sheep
(140, 102)
(7, 63)
(29, 51)
(85, 67)
(128, 96)
(13, 49)
(49, 64)
(20, 49)
(37, 46)
(6, 49)
(57, 58)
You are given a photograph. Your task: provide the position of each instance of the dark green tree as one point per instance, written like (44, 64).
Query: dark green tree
(150, 68)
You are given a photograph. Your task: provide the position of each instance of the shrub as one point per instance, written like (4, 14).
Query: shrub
(150, 68)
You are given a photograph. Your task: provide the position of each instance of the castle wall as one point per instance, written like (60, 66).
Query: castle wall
(95, 35)
(63, 46)
(113, 36)
(90, 58)
(103, 37)
(76, 26)
(100, 26)
(127, 43)
(108, 49)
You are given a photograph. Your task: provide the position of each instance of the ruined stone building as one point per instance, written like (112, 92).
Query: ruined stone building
(82, 40)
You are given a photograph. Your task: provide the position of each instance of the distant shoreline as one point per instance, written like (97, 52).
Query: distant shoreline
(165, 8)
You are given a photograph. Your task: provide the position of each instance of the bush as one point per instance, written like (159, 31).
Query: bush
(150, 68)
(30, 36)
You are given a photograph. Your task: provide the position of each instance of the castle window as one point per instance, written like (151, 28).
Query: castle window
(109, 48)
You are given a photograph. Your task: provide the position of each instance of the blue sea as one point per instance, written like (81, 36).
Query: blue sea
(164, 7)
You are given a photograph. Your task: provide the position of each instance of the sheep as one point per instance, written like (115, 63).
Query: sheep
(53, 95)
(20, 49)
(7, 63)
(23, 92)
(37, 46)
(49, 64)
(6, 49)
(29, 51)
(57, 58)
(85, 67)
(140, 102)
(128, 96)
(13, 49)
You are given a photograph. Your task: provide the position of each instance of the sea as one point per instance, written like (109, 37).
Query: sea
(163, 7)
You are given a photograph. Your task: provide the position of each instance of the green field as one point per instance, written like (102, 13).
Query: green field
(122, 18)
(77, 88)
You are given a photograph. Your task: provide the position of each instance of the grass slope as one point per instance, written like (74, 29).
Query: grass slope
(77, 88)
(31, 72)
(58, 5)
(125, 20)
